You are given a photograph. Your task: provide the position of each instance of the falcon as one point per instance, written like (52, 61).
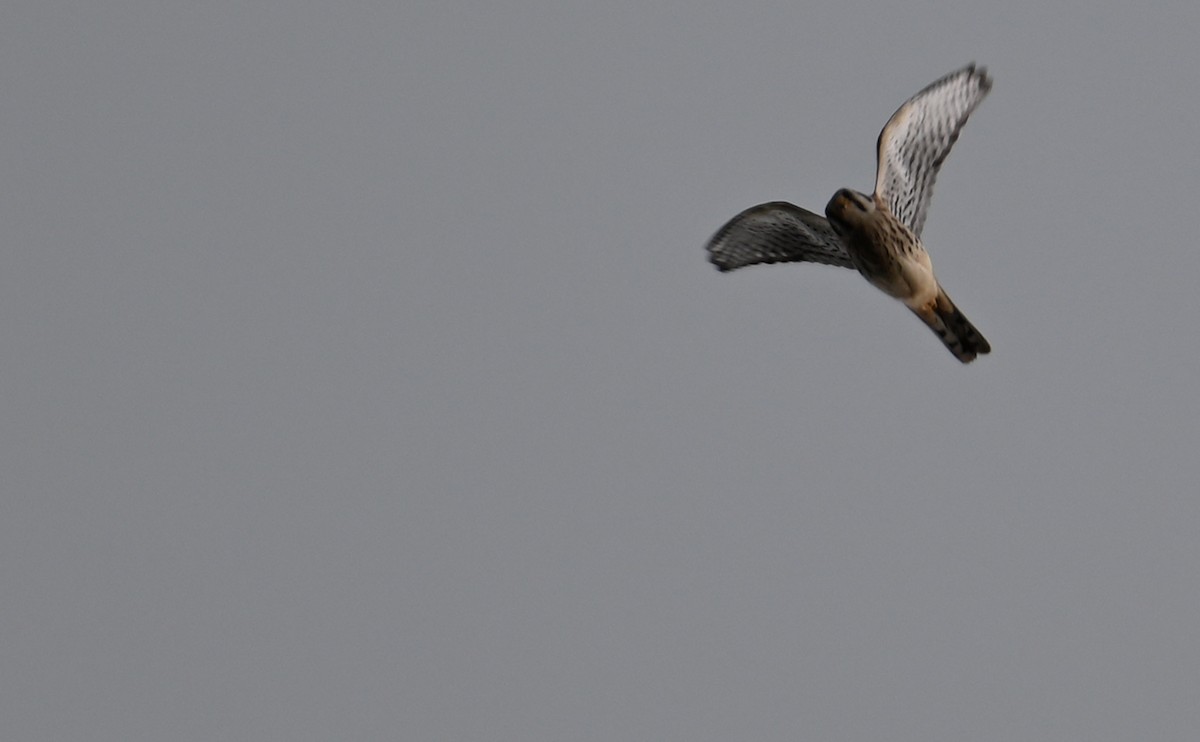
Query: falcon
(880, 234)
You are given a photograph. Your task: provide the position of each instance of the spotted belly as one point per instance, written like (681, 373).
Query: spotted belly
(879, 264)
(897, 266)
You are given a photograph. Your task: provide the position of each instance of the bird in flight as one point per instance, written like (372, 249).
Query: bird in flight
(879, 235)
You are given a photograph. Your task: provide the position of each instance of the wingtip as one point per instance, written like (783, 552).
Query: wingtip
(980, 73)
(714, 256)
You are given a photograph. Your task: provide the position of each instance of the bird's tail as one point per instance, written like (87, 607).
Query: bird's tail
(955, 330)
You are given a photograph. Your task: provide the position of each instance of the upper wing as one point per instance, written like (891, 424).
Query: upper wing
(776, 232)
(917, 138)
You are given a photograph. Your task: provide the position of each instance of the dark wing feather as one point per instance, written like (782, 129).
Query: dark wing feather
(776, 232)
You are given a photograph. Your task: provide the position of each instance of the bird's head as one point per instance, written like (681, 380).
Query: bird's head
(848, 209)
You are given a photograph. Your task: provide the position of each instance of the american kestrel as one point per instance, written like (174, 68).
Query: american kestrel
(880, 234)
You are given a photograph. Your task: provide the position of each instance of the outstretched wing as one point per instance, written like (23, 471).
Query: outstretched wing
(917, 138)
(776, 232)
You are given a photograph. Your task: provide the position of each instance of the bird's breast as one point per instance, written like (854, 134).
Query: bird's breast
(887, 255)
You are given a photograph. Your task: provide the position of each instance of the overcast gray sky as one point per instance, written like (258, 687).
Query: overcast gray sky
(362, 376)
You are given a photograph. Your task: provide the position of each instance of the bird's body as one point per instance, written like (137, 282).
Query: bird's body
(892, 258)
(879, 235)
(883, 250)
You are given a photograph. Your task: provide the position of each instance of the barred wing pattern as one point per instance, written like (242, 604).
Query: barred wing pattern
(776, 232)
(917, 138)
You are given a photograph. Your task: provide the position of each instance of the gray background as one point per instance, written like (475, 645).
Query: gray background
(362, 376)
